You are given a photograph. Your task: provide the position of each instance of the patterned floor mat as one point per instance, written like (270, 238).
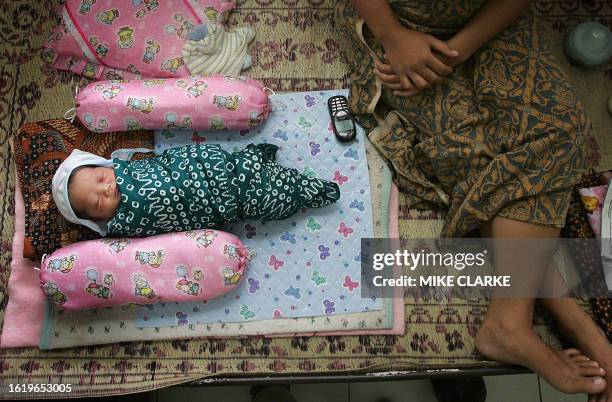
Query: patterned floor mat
(295, 50)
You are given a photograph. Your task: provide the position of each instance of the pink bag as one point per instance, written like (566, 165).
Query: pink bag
(176, 267)
(121, 39)
(593, 200)
(199, 103)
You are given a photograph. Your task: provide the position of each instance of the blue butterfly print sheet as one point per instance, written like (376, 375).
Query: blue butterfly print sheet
(307, 265)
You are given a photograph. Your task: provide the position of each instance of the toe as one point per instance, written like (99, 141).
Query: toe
(571, 352)
(589, 363)
(583, 384)
(591, 371)
(595, 385)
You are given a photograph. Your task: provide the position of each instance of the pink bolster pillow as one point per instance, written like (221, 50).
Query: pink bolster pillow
(215, 102)
(173, 267)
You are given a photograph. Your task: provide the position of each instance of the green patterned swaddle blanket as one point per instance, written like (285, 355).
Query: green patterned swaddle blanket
(203, 186)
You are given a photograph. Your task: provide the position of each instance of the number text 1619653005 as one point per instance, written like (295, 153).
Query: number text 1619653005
(36, 388)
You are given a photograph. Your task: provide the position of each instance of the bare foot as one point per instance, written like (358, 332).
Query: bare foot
(582, 363)
(603, 353)
(562, 370)
(577, 325)
(586, 367)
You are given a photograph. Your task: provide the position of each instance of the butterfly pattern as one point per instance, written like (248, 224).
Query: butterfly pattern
(182, 318)
(323, 252)
(245, 313)
(293, 292)
(250, 231)
(312, 224)
(253, 285)
(307, 265)
(309, 100)
(314, 148)
(288, 237)
(317, 278)
(308, 172)
(329, 306)
(167, 134)
(340, 178)
(351, 153)
(350, 284)
(281, 134)
(304, 123)
(358, 205)
(198, 139)
(345, 230)
(275, 263)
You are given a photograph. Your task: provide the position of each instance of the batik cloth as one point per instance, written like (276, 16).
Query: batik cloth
(203, 186)
(503, 135)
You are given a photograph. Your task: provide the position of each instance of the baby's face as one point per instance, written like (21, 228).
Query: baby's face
(93, 193)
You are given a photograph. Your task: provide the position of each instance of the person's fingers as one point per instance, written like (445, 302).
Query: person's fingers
(418, 81)
(430, 76)
(443, 47)
(407, 83)
(387, 78)
(393, 85)
(409, 93)
(384, 67)
(439, 66)
(387, 75)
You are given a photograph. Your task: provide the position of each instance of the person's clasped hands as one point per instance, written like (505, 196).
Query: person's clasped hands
(414, 61)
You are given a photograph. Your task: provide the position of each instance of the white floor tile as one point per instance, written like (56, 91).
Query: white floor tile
(205, 394)
(512, 388)
(507, 388)
(320, 392)
(395, 391)
(549, 394)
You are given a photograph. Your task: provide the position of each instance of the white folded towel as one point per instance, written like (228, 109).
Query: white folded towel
(211, 49)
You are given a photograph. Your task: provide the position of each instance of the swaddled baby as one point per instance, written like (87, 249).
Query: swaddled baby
(188, 188)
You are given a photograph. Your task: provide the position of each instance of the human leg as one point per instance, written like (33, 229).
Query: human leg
(577, 325)
(507, 333)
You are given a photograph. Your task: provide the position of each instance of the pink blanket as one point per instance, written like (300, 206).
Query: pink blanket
(24, 313)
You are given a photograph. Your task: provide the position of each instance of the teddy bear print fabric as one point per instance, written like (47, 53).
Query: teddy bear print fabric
(124, 39)
(592, 200)
(217, 102)
(188, 266)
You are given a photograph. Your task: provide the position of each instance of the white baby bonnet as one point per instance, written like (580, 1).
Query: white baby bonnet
(76, 159)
